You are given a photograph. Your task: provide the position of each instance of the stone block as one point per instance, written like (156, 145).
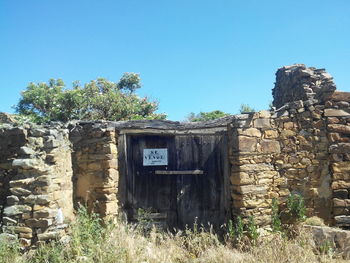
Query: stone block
(241, 179)
(342, 220)
(337, 211)
(51, 143)
(337, 237)
(287, 133)
(107, 164)
(256, 167)
(270, 134)
(21, 183)
(341, 194)
(94, 166)
(26, 235)
(26, 150)
(37, 199)
(44, 213)
(340, 148)
(288, 125)
(38, 142)
(20, 229)
(340, 96)
(334, 137)
(25, 163)
(39, 223)
(48, 236)
(341, 176)
(8, 221)
(43, 180)
(247, 144)
(262, 123)
(339, 202)
(11, 200)
(16, 210)
(341, 167)
(37, 132)
(264, 114)
(335, 113)
(255, 189)
(270, 146)
(340, 128)
(251, 132)
(336, 185)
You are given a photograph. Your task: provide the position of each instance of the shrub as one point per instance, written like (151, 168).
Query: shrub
(296, 207)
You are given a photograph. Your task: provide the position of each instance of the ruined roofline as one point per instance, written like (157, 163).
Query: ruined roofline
(157, 124)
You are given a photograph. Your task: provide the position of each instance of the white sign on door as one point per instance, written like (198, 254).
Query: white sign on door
(155, 157)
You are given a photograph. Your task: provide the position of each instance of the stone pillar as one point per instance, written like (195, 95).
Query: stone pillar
(95, 160)
(254, 178)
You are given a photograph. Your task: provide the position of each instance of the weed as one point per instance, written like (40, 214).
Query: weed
(252, 230)
(239, 229)
(275, 217)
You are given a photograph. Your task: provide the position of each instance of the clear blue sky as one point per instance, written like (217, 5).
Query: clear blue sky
(193, 55)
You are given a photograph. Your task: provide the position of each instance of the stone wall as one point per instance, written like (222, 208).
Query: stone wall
(36, 182)
(338, 125)
(302, 147)
(298, 82)
(95, 162)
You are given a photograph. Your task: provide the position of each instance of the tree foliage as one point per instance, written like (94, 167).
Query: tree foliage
(206, 116)
(99, 99)
(246, 108)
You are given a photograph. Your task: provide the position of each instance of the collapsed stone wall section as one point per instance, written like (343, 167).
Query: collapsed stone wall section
(95, 162)
(285, 151)
(38, 187)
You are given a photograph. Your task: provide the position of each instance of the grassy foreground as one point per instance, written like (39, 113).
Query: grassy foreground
(119, 242)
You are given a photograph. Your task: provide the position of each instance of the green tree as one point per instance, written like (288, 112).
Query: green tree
(98, 99)
(206, 116)
(246, 108)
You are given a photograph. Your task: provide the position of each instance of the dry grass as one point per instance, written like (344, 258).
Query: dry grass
(125, 243)
(314, 221)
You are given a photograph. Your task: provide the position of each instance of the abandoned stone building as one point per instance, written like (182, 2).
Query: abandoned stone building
(208, 171)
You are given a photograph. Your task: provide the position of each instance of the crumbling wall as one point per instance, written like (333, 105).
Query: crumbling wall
(37, 195)
(337, 114)
(95, 163)
(298, 82)
(285, 151)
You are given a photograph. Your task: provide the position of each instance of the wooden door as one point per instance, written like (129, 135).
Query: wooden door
(201, 197)
(191, 186)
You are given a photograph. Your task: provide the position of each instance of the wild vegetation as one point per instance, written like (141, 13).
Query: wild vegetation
(215, 114)
(99, 99)
(91, 240)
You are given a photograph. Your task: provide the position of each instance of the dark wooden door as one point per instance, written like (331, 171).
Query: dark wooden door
(191, 187)
(201, 197)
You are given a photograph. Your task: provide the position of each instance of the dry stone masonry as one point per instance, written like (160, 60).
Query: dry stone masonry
(302, 146)
(36, 180)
